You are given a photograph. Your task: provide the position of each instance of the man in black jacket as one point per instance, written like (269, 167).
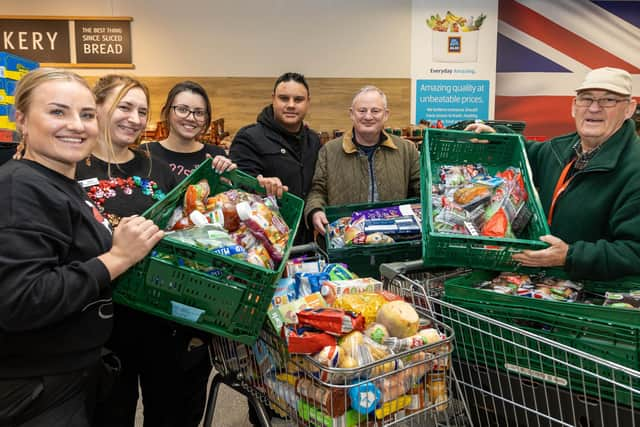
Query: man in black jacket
(280, 146)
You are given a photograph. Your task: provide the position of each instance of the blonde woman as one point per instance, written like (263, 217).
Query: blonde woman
(57, 258)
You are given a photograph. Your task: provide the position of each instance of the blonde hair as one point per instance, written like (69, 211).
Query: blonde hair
(103, 88)
(26, 87)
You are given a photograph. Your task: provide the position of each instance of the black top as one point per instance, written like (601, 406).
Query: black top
(55, 300)
(142, 183)
(268, 149)
(183, 163)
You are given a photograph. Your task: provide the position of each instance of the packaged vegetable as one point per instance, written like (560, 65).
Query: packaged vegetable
(377, 332)
(623, 299)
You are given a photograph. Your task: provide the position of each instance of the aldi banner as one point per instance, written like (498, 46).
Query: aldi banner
(453, 60)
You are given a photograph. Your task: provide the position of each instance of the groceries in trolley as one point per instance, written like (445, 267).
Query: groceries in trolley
(377, 226)
(234, 223)
(467, 200)
(371, 357)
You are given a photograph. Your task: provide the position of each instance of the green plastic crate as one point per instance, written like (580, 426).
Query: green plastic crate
(490, 344)
(234, 300)
(463, 287)
(450, 147)
(365, 260)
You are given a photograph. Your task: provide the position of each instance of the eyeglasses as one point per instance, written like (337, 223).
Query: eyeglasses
(182, 111)
(586, 101)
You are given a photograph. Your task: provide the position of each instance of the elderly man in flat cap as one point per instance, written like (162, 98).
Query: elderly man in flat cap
(589, 183)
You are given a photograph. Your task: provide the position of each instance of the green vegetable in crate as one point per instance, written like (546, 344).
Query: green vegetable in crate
(623, 299)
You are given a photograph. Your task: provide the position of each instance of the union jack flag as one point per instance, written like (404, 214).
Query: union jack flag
(546, 47)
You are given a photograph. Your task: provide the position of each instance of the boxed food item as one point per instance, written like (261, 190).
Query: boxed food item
(364, 256)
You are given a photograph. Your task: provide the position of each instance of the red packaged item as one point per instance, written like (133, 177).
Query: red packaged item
(390, 296)
(306, 341)
(497, 225)
(331, 320)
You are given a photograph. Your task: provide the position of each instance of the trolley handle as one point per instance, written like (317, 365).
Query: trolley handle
(303, 249)
(393, 269)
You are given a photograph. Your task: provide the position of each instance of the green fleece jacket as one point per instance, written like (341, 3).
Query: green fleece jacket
(342, 174)
(598, 214)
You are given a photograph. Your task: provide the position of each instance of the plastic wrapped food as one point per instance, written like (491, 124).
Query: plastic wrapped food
(367, 303)
(331, 320)
(267, 226)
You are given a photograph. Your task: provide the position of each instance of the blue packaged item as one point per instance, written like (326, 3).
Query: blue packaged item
(309, 283)
(364, 397)
(234, 251)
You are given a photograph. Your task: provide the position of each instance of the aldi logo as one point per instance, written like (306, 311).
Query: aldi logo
(455, 44)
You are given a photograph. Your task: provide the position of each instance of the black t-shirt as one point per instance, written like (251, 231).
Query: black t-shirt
(182, 164)
(127, 188)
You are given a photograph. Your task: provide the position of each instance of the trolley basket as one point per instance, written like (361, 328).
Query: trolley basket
(512, 376)
(415, 387)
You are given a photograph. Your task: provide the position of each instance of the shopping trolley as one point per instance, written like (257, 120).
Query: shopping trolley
(412, 387)
(510, 376)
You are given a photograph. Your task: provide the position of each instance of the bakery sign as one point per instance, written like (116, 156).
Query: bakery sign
(76, 42)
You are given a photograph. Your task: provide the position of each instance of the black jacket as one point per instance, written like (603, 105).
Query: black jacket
(268, 149)
(55, 299)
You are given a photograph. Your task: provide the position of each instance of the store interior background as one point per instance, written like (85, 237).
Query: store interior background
(236, 48)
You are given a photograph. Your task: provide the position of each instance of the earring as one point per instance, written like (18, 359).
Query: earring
(20, 149)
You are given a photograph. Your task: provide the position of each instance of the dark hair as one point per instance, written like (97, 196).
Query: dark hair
(186, 86)
(292, 77)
